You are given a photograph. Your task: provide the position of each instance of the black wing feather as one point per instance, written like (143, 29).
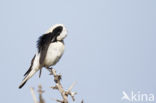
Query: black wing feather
(22, 85)
(42, 45)
(45, 40)
(30, 66)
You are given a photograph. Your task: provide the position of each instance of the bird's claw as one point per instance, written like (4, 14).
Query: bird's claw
(50, 70)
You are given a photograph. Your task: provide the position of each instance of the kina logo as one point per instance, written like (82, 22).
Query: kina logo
(137, 97)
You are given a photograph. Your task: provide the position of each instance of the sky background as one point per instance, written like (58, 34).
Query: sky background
(110, 48)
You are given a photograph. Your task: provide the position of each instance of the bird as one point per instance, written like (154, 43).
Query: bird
(50, 47)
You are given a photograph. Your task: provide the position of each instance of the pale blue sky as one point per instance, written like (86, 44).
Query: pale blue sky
(110, 47)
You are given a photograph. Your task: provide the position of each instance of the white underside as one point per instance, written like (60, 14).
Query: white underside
(54, 53)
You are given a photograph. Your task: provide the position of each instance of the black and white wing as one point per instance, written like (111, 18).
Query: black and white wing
(45, 40)
(30, 68)
(42, 45)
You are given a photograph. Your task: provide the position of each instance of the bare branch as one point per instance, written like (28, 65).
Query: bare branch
(41, 100)
(59, 87)
(33, 95)
(70, 88)
(57, 100)
(69, 92)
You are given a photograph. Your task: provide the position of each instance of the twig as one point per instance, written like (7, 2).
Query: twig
(59, 87)
(33, 95)
(41, 100)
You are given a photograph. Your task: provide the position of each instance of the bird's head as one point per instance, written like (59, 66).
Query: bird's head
(59, 31)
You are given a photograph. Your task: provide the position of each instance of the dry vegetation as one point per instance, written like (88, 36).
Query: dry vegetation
(58, 86)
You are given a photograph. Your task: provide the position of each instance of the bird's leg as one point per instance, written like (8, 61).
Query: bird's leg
(40, 73)
(50, 70)
(53, 72)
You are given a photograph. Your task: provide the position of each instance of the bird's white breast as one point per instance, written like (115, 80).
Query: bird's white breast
(54, 53)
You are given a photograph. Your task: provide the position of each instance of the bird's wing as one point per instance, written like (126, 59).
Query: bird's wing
(42, 45)
(44, 41)
(30, 66)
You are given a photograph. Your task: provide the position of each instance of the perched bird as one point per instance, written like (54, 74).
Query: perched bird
(50, 49)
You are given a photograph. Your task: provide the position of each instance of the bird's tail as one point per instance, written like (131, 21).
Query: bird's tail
(22, 84)
(27, 77)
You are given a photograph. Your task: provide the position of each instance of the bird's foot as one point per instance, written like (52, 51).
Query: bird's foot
(50, 70)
